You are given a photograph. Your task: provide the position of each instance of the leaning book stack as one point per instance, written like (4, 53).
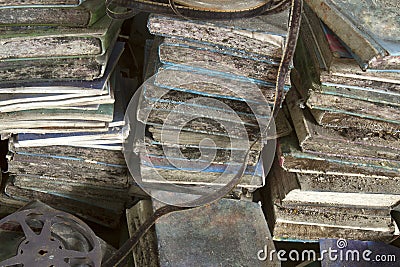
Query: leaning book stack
(338, 175)
(209, 80)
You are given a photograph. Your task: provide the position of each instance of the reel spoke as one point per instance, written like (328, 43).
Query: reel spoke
(46, 230)
(73, 254)
(29, 233)
(12, 261)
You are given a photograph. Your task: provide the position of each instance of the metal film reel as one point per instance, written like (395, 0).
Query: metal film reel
(47, 243)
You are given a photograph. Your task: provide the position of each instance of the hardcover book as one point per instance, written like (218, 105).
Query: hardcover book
(370, 28)
(176, 51)
(317, 139)
(78, 14)
(49, 41)
(258, 36)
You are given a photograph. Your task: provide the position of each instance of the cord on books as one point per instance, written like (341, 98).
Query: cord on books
(285, 64)
(171, 7)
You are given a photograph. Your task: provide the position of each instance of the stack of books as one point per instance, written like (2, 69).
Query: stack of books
(62, 102)
(338, 175)
(53, 73)
(209, 80)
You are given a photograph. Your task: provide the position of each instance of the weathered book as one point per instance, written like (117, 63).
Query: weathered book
(194, 78)
(307, 215)
(200, 129)
(341, 120)
(102, 113)
(80, 14)
(92, 118)
(348, 184)
(315, 138)
(281, 182)
(54, 68)
(52, 126)
(162, 100)
(18, 102)
(114, 197)
(49, 41)
(176, 51)
(294, 160)
(311, 214)
(60, 68)
(102, 120)
(222, 156)
(221, 6)
(112, 136)
(109, 139)
(100, 214)
(361, 98)
(190, 169)
(155, 174)
(334, 102)
(69, 170)
(259, 36)
(337, 65)
(99, 86)
(205, 99)
(369, 28)
(203, 129)
(81, 154)
(227, 232)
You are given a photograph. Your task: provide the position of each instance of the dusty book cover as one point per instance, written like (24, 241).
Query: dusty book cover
(341, 120)
(159, 98)
(263, 35)
(348, 183)
(251, 179)
(99, 86)
(79, 14)
(89, 211)
(194, 78)
(350, 103)
(101, 113)
(365, 101)
(292, 159)
(60, 68)
(369, 28)
(315, 138)
(176, 51)
(319, 46)
(50, 41)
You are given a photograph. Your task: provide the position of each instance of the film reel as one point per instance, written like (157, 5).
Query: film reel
(52, 238)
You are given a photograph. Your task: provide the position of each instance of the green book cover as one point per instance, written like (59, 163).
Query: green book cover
(74, 15)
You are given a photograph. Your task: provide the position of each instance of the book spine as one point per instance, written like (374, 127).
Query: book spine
(365, 48)
(45, 16)
(83, 15)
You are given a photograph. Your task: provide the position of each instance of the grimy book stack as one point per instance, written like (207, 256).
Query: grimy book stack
(62, 102)
(209, 80)
(338, 175)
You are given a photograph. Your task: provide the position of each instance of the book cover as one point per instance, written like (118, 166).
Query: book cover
(371, 29)
(49, 41)
(78, 14)
(262, 36)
